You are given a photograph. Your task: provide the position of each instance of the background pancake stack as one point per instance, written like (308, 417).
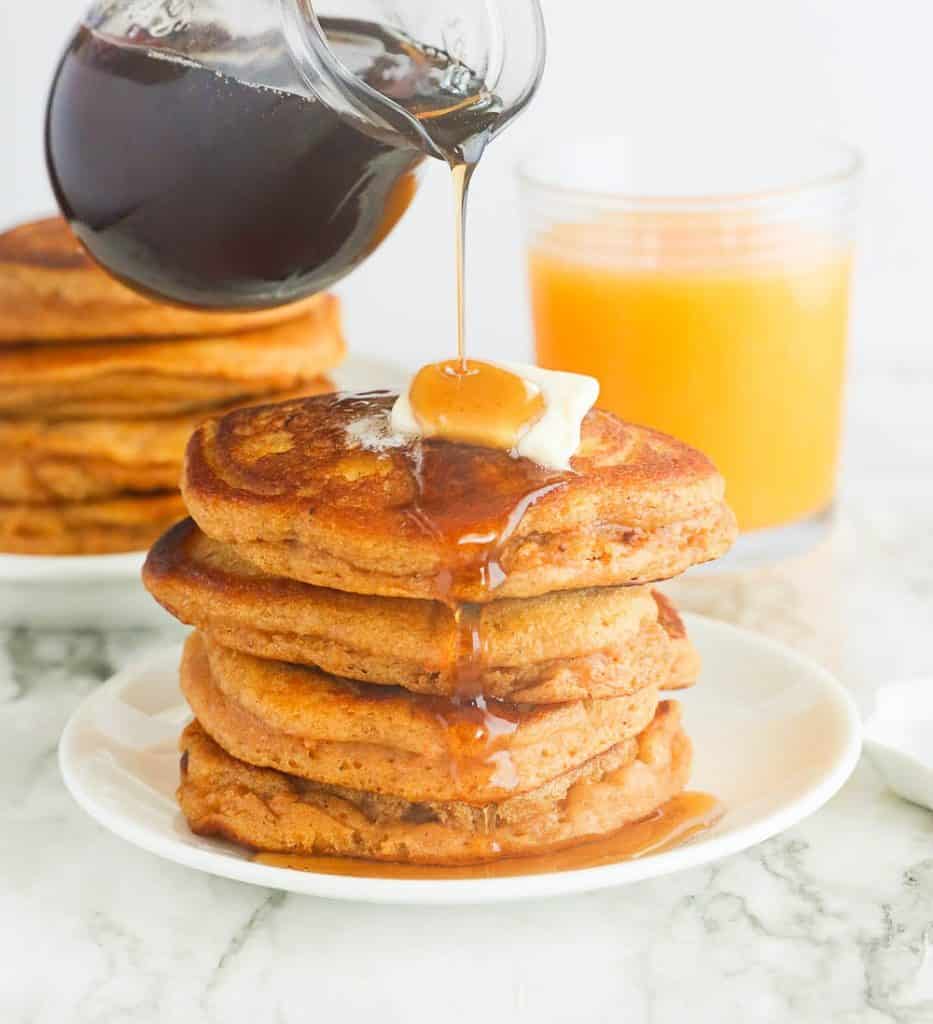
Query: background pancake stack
(100, 389)
(429, 653)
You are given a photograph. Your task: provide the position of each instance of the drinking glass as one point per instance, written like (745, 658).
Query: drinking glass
(705, 283)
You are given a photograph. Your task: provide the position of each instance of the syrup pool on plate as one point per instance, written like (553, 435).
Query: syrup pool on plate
(680, 819)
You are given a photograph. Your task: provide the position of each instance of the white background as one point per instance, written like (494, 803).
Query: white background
(857, 69)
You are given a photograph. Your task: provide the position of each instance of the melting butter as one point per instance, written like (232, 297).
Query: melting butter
(531, 412)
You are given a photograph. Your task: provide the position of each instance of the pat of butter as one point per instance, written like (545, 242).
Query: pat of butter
(553, 439)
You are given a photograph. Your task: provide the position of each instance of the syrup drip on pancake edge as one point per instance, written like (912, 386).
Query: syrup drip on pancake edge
(476, 729)
(471, 506)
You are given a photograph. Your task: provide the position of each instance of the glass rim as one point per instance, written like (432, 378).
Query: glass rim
(848, 171)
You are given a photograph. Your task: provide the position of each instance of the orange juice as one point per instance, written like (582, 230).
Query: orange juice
(737, 347)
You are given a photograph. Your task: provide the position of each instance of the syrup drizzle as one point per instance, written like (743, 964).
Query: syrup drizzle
(474, 403)
(477, 730)
(461, 174)
(682, 818)
(470, 506)
(473, 537)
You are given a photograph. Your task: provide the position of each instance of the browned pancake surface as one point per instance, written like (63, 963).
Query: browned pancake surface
(317, 490)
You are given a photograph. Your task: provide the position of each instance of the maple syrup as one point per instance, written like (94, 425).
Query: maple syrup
(476, 730)
(682, 818)
(470, 506)
(474, 726)
(230, 185)
(474, 403)
(461, 175)
(473, 510)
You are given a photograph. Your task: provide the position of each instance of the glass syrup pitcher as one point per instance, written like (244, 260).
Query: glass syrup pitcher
(246, 153)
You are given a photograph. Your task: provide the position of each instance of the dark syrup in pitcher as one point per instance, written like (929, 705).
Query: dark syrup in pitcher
(231, 189)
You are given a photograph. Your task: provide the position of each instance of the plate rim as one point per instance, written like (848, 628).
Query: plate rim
(70, 568)
(453, 892)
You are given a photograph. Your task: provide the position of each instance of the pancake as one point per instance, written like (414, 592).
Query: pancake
(79, 460)
(41, 479)
(52, 291)
(319, 490)
(269, 810)
(144, 379)
(389, 741)
(559, 647)
(686, 662)
(87, 528)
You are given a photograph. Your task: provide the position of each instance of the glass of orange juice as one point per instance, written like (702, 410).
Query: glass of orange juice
(705, 284)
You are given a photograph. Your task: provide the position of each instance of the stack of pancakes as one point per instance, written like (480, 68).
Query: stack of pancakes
(427, 652)
(100, 389)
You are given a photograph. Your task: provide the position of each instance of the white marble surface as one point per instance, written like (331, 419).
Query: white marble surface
(827, 923)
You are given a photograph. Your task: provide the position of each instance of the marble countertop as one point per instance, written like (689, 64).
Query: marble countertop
(829, 922)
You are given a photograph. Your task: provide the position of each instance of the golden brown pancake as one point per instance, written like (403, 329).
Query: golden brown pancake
(43, 479)
(686, 663)
(268, 810)
(143, 379)
(318, 490)
(80, 460)
(52, 291)
(387, 740)
(559, 647)
(88, 528)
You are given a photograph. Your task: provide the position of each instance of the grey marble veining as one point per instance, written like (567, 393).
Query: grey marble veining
(829, 922)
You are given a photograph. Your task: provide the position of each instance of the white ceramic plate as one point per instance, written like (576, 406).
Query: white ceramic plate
(775, 737)
(95, 591)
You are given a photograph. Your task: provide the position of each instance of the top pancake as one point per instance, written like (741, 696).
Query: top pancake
(319, 490)
(52, 291)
